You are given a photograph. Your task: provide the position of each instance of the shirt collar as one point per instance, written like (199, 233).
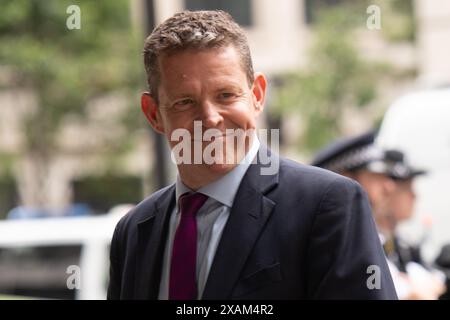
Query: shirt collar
(224, 189)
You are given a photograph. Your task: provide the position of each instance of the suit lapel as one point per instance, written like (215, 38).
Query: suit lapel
(249, 214)
(152, 233)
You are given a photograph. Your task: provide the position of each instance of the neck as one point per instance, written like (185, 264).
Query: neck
(196, 176)
(386, 225)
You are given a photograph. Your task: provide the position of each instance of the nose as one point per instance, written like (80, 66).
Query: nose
(210, 115)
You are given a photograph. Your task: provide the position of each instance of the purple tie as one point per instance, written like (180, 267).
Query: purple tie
(182, 283)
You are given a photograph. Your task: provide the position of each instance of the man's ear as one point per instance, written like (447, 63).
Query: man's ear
(259, 91)
(151, 112)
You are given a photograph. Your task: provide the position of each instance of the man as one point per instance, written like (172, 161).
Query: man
(376, 170)
(387, 179)
(230, 230)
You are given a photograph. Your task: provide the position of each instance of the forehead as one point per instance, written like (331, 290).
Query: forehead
(183, 65)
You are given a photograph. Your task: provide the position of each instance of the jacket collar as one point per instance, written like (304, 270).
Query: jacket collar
(152, 234)
(239, 235)
(241, 231)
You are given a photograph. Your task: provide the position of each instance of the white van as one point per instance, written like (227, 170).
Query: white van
(419, 125)
(56, 258)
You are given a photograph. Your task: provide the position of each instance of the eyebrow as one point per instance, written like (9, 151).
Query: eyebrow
(177, 96)
(230, 87)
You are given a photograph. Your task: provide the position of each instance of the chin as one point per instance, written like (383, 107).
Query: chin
(221, 168)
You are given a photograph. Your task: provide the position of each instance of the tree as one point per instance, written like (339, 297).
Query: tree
(336, 78)
(65, 69)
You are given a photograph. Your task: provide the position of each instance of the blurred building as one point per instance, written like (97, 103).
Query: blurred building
(433, 41)
(279, 34)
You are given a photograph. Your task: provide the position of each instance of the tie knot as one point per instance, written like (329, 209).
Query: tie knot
(190, 203)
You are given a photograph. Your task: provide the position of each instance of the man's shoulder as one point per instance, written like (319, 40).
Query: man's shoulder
(146, 208)
(299, 174)
(315, 184)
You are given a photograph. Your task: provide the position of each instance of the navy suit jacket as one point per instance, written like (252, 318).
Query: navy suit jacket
(302, 233)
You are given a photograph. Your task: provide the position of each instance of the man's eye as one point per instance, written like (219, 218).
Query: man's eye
(183, 103)
(226, 95)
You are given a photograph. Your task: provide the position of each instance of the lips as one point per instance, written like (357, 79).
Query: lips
(213, 138)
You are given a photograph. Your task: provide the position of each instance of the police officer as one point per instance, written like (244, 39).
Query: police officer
(387, 178)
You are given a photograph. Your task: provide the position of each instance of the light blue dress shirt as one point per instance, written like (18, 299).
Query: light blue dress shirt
(211, 220)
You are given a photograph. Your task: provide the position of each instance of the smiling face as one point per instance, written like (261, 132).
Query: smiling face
(207, 85)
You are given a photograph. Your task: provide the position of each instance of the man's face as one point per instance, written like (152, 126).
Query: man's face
(389, 198)
(378, 187)
(402, 200)
(206, 85)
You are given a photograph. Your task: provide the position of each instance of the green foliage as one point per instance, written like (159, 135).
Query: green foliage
(336, 78)
(397, 18)
(66, 68)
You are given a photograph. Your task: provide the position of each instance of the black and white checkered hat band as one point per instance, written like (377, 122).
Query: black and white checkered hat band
(356, 158)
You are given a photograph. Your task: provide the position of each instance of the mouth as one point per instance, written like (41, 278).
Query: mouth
(216, 137)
